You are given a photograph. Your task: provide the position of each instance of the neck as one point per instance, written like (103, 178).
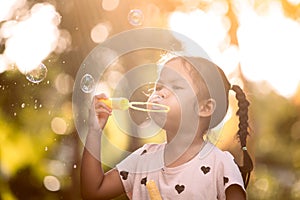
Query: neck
(182, 146)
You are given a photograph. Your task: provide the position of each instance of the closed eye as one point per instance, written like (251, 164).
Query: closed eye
(176, 87)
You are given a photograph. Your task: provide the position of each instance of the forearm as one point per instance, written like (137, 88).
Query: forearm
(91, 168)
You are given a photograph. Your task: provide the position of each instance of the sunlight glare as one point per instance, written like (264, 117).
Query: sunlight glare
(269, 49)
(8, 7)
(294, 2)
(33, 37)
(3, 63)
(218, 45)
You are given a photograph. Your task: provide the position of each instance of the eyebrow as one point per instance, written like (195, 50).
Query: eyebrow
(163, 81)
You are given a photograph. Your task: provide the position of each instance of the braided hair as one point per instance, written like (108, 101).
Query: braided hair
(242, 113)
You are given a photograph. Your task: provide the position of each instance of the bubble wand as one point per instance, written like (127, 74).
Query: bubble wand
(122, 103)
(153, 190)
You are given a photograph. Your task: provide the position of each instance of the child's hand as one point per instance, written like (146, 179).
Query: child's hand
(99, 113)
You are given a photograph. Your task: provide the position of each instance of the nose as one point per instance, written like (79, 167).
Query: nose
(155, 97)
(159, 95)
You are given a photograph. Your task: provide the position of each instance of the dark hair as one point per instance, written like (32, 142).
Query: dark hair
(218, 87)
(242, 113)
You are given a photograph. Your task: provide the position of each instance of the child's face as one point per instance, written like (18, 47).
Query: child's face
(176, 89)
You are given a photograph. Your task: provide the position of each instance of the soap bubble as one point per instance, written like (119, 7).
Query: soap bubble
(135, 17)
(38, 74)
(87, 83)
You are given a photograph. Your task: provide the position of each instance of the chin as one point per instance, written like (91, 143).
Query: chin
(159, 118)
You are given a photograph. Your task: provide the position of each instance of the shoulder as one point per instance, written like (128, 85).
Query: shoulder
(152, 147)
(146, 158)
(211, 151)
(223, 162)
(226, 169)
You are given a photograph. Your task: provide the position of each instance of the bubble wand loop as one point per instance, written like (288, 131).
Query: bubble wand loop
(122, 103)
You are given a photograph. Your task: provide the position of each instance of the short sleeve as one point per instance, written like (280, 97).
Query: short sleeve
(228, 174)
(126, 168)
(138, 164)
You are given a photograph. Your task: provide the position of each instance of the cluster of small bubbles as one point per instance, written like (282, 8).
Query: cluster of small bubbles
(36, 106)
(38, 74)
(87, 83)
(135, 17)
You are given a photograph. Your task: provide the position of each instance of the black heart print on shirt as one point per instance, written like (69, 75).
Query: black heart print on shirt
(144, 181)
(179, 188)
(124, 175)
(145, 151)
(225, 179)
(205, 170)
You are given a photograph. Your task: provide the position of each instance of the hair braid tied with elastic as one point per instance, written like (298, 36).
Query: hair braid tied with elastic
(242, 113)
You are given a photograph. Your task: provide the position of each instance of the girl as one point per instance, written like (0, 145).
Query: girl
(186, 166)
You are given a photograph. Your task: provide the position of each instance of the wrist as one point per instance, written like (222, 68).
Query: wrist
(95, 130)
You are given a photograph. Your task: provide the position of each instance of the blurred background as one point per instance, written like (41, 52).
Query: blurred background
(43, 43)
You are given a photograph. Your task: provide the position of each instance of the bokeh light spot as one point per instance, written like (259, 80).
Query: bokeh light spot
(59, 125)
(51, 183)
(64, 83)
(99, 33)
(262, 184)
(110, 5)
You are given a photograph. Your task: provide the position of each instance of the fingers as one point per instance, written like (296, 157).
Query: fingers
(99, 112)
(100, 106)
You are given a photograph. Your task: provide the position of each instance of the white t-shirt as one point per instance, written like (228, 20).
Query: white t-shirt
(205, 177)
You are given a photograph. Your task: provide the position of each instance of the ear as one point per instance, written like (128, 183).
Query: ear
(207, 107)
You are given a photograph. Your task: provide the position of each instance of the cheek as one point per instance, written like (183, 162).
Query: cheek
(175, 109)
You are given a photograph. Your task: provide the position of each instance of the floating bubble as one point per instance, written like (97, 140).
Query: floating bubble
(87, 83)
(136, 17)
(38, 74)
